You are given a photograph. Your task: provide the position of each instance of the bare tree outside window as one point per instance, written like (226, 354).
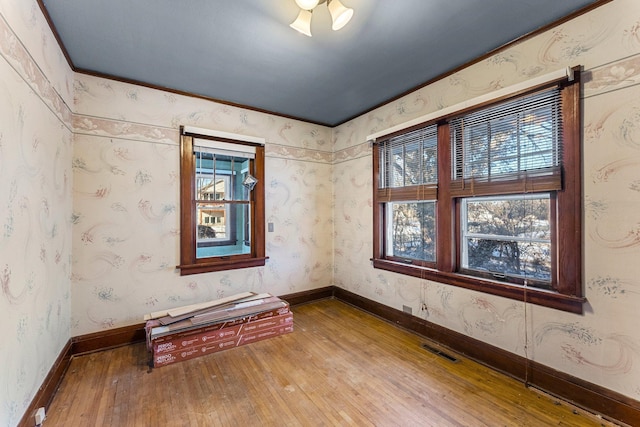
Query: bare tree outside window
(487, 198)
(414, 230)
(508, 236)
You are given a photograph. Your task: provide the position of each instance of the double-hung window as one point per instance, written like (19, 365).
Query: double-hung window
(222, 202)
(408, 185)
(487, 197)
(506, 170)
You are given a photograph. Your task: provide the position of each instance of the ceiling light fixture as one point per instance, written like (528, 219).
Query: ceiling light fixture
(340, 15)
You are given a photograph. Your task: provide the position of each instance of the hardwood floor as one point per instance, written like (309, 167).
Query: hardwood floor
(340, 366)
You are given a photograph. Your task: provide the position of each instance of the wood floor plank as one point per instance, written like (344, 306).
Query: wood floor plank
(340, 366)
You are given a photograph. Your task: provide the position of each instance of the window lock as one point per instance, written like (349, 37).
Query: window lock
(498, 276)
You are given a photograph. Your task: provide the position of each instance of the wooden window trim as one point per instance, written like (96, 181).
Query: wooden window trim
(570, 303)
(189, 263)
(567, 294)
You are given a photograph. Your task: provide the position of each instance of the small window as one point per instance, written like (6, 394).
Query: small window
(222, 203)
(408, 182)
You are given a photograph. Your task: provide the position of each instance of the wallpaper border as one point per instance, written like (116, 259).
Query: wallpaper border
(15, 53)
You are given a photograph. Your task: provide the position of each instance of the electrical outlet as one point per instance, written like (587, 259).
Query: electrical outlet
(424, 306)
(40, 416)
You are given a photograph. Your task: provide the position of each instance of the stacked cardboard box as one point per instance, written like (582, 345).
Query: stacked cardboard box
(192, 331)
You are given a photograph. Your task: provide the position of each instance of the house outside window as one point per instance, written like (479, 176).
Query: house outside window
(222, 201)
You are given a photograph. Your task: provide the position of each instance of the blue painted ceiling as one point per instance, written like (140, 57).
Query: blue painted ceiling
(244, 52)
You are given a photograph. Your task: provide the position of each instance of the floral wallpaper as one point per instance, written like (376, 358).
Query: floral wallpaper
(603, 345)
(36, 146)
(89, 220)
(126, 200)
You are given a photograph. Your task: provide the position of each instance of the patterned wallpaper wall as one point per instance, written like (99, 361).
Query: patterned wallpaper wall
(36, 147)
(89, 198)
(126, 199)
(603, 345)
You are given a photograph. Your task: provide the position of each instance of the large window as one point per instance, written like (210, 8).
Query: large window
(222, 202)
(487, 198)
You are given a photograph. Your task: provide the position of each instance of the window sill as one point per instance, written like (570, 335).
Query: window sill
(221, 265)
(541, 297)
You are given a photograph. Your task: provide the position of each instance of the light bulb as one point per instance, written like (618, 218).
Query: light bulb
(307, 4)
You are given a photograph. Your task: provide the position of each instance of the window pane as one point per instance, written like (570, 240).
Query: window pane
(212, 221)
(222, 228)
(208, 188)
(538, 139)
(227, 231)
(503, 147)
(476, 163)
(504, 140)
(430, 161)
(412, 230)
(509, 235)
(409, 159)
(530, 260)
(412, 174)
(397, 167)
(523, 217)
(219, 177)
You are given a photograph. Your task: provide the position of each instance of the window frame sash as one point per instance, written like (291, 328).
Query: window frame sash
(465, 235)
(388, 233)
(564, 184)
(189, 263)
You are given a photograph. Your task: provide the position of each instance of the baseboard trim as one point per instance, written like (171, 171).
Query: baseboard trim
(47, 390)
(126, 335)
(308, 296)
(593, 398)
(609, 404)
(111, 338)
(104, 340)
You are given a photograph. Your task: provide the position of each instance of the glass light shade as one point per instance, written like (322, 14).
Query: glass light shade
(340, 15)
(307, 4)
(302, 23)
